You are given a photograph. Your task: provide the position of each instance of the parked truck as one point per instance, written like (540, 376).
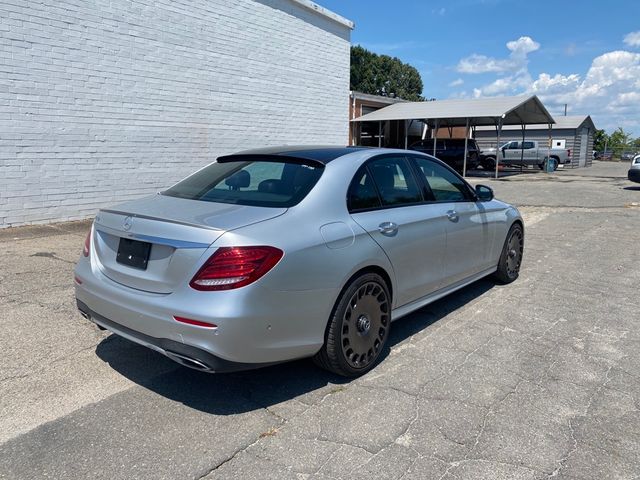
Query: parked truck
(525, 153)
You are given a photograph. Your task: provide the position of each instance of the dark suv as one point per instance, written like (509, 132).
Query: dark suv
(451, 151)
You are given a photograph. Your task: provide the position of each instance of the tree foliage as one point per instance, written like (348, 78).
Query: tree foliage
(600, 140)
(384, 75)
(618, 142)
(619, 139)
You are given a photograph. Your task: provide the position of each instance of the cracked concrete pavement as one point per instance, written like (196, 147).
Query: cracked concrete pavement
(537, 379)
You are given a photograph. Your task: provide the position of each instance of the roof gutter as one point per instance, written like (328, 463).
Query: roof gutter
(314, 7)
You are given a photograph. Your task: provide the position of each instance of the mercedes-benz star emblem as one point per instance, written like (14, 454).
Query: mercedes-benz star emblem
(127, 223)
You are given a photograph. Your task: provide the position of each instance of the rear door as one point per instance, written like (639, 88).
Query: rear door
(386, 200)
(512, 152)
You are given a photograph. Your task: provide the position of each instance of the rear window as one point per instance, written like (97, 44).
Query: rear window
(259, 183)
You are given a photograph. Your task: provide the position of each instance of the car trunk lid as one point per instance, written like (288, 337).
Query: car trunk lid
(174, 234)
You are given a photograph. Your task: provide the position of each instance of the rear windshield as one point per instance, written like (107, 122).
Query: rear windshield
(256, 183)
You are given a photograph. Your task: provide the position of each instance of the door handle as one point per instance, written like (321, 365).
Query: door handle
(452, 215)
(388, 228)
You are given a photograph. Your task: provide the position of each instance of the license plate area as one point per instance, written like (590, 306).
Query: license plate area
(133, 253)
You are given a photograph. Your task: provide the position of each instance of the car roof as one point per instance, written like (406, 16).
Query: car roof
(317, 153)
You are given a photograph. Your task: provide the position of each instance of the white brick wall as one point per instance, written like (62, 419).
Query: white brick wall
(107, 100)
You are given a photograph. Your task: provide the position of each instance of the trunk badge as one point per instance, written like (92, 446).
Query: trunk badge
(127, 223)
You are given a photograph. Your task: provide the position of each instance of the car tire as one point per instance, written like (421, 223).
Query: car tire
(358, 328)
(555, 163)
(511, 256)
(472, 161)
(489, 163)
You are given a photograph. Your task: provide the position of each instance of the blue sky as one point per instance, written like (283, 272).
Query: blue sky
(583, 53)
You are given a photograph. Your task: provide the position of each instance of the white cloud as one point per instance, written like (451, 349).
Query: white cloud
(483, 64)
(523, 46)
(547, 84)
(632, 39)
(517, 59)
(609, 91)
(456, 83)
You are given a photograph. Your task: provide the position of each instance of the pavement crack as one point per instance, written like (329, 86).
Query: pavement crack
(51, 255)
(231, 457)
(563, 460)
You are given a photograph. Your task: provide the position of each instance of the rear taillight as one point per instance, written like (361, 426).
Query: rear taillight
(235, 267)
(87, 245)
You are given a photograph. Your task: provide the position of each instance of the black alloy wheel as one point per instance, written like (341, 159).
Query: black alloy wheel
(358, 328)
(511, 257)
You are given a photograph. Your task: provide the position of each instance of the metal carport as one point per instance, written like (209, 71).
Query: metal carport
(492, 111)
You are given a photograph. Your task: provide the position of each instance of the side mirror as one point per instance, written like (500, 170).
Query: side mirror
(484, 193)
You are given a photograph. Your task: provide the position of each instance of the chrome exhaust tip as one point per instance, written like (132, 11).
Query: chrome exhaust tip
(188, 361)
(88, 317)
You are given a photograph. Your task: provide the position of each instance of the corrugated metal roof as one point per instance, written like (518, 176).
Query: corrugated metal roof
(482, 111)
(570, 122)
(376, 98)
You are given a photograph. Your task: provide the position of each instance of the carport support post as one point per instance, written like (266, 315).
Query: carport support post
(380, 133)
(499, 130)
(435, 135)
(466, 142)
(549, 148)
(406, 133)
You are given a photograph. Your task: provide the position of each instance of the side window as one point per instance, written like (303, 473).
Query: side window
(383, 182)
(514, 146)
(394, 181)
(444, 184)
(362, 192)
(527, 145)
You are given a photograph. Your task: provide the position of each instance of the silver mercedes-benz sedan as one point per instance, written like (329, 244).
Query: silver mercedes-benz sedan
(282, 253)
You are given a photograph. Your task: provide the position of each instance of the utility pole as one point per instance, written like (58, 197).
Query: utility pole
(565, 109)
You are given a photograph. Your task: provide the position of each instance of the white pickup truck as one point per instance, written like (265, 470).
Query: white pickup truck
(524, 153)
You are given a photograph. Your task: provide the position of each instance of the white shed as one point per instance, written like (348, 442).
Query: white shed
(105, 101)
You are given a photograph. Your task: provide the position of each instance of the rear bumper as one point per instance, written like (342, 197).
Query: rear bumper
(186, 355)
(634, 175)
(256, 326)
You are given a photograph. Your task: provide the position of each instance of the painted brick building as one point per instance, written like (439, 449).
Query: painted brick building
(107, 100)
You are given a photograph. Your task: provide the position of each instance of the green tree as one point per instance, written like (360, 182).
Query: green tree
(619, 140)
(384, 75)
(600, 140)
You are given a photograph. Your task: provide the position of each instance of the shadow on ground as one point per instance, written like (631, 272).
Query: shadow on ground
(634, 188)
(502, 173)
(234, 393)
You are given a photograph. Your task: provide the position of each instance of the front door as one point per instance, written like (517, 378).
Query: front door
(469, 233)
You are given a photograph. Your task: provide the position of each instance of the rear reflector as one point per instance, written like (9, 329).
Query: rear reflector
(235, 267)
(77, 280)
(197, 323)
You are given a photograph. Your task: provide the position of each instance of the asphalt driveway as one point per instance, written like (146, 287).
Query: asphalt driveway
(536, 379)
